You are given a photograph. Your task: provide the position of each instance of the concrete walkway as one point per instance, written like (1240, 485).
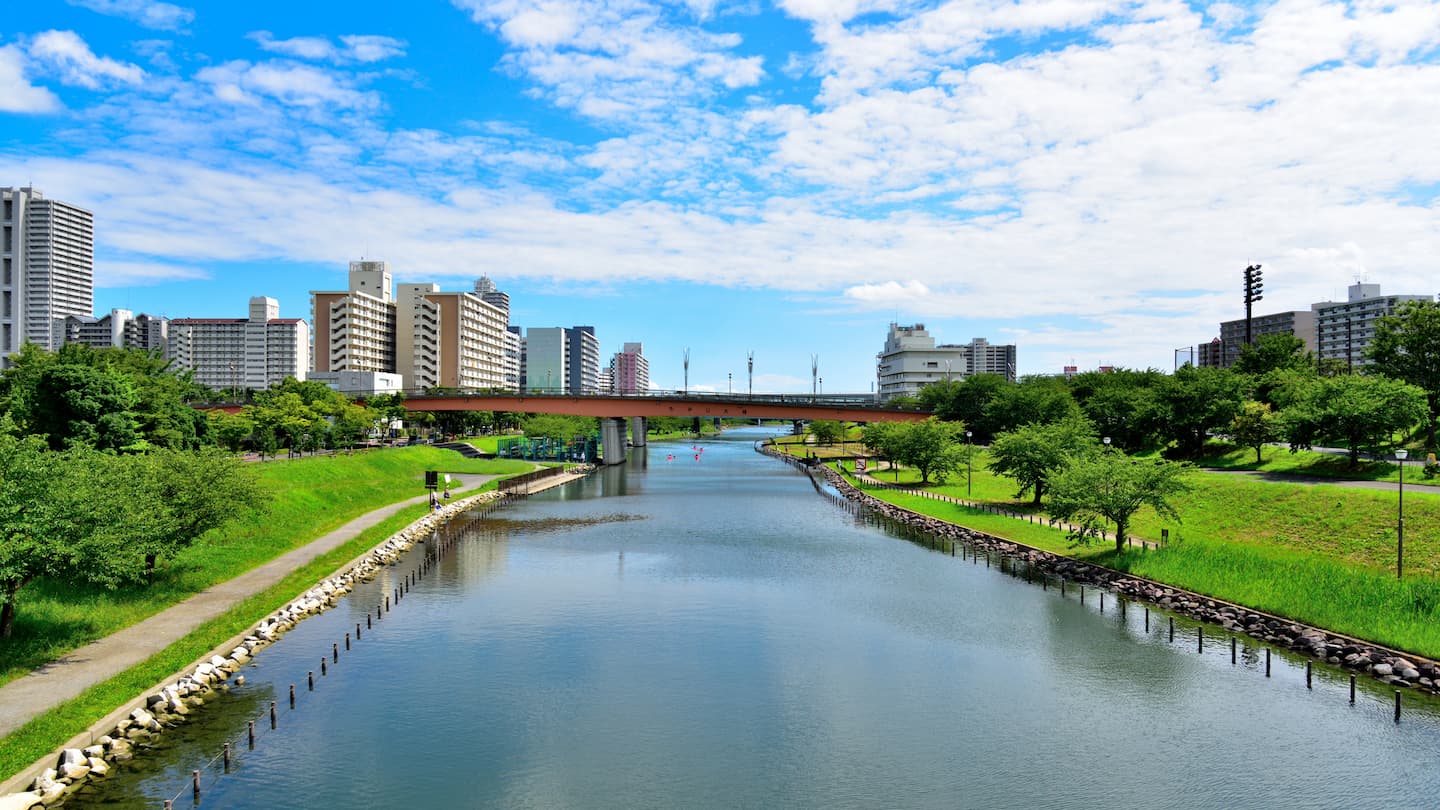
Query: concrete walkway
(28, 697)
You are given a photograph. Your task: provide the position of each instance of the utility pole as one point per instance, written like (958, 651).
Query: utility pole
(687, 371)
(750, 361)
(1253, 289)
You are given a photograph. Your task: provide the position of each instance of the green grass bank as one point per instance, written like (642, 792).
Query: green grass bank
(309, 497)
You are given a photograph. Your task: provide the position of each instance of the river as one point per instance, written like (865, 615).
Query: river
(707, 632)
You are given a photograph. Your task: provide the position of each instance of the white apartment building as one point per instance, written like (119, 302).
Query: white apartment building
(121, 329)
(1343, 329)
(355, 329)
(514, 368)
(449, 339)
(234, 353)
(911, 360)
(47, 267)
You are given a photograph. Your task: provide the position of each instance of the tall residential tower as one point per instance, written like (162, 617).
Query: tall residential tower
(47, 268)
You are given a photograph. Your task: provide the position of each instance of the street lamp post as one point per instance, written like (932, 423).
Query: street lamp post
(1400, 456)
(750, 364)
(730, 382)
(687, 372)
(1107, 442)
(969, 467)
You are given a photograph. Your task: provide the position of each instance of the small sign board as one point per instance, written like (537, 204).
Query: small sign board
(859, 465)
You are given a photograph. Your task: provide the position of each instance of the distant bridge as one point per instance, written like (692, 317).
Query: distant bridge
(614, 410)
(838, 407)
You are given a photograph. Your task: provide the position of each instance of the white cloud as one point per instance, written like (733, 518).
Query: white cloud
(17, 94)
(142, 273)
(352, 48)
(616, 59)
(65, 54)
(148, 13)
(291, 84)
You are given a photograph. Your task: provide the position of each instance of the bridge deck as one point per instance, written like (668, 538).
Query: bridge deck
(787, 406)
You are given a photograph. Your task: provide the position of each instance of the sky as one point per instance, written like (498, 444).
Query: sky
(1086, 179)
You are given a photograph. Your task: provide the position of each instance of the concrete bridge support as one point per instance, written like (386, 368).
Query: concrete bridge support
(612, 440)
(638, 426)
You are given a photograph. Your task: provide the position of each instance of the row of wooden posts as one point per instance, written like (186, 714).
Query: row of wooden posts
(438, 546)
(973, 554)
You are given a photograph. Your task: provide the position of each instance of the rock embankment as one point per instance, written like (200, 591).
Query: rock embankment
(169, 707)
(1386, 665)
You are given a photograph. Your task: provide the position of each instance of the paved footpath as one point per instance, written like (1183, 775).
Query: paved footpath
(64, 678)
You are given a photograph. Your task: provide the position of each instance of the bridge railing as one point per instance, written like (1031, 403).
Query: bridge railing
(863, 400)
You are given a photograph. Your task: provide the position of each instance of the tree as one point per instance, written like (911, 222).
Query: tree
(1112, 486)
(932, 446)
(1196, 401)
(1271, 353)
(83, 405)
(1034, 400)
(1406, 346)
(1255, 426)
(189, 493)
(1122, 404)
(826, 431)
(557, 426)
(55, 510)
(1033, 453)
(1359, 411)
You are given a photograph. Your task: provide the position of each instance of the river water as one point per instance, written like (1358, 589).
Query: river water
(709, 632)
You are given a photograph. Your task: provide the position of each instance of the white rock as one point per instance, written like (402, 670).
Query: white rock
(99, 768)
(20, 801)
(75, 772)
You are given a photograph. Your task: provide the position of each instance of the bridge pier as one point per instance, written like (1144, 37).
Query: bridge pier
(612, 440)
(638, 426)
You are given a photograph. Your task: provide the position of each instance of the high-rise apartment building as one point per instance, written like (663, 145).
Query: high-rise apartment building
(630, 371)
(1343, 329)
(355, 329)
(449, 339)
(514, 358)
(584, 368)
(121, 328)
(251, 353)
(47, 267)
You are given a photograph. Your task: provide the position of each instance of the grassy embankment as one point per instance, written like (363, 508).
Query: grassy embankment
(310, 497)
(1321, 554)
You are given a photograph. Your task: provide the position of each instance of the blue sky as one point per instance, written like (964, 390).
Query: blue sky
(1084, 178)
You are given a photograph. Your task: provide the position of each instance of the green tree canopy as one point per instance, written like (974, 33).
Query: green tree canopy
(1034, 400)
(1271, 353)
(1111, 486)
(1255, 425)
(1032, 454)
(1406, 346)
(827, 431)
(1357, 411)
(1122, 404)
(1196, 401)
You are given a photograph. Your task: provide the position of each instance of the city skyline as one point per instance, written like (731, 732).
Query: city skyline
(1085, 181)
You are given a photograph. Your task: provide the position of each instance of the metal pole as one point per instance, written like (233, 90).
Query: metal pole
(750, 364)
(969, 466)
(1400, 527)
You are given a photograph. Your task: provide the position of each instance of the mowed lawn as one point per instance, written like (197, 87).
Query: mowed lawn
(310, 497)
(1323, 554)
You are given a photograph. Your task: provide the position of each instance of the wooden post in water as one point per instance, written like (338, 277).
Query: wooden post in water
(1352, 688)
(347, 642)
(227, 757)
(1199, 639)
(195, 775)
(1232, 649)
(1102, 601)
(1082, 594)
(272, 715)
(292, 695)
(1267, 662)
(1147, 619)
(335, 651)
(322, 666)
(252, 734)
(1307, 675)
(310, 679)
(1397, 705)
(1172, 628)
